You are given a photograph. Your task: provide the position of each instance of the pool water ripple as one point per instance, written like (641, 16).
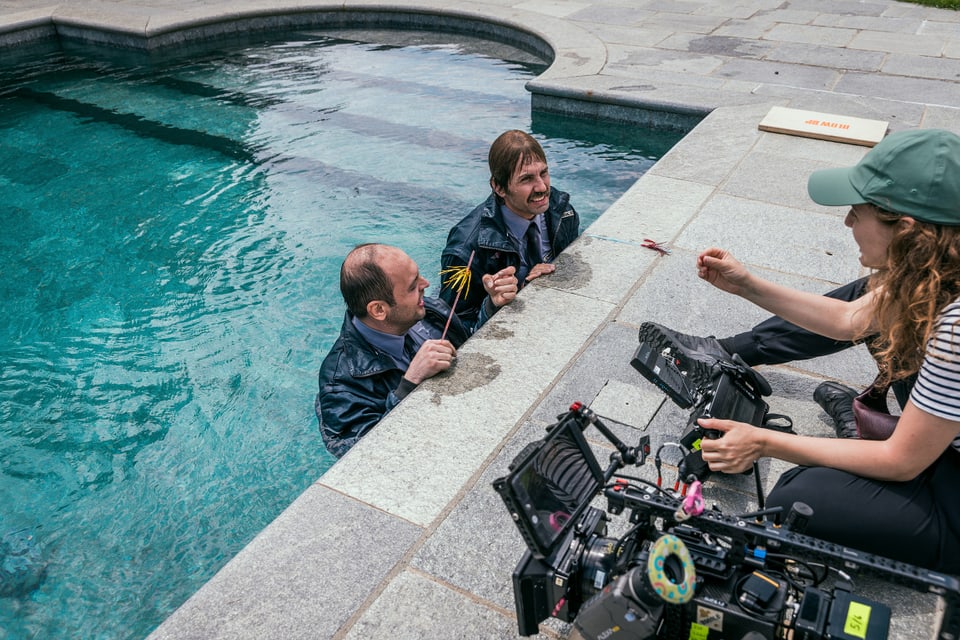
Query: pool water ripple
(169, 278)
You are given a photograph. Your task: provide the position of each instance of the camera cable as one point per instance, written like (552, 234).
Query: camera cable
(658, 462)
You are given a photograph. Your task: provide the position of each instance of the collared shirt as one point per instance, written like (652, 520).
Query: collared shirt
(394, 345)
(517, 230)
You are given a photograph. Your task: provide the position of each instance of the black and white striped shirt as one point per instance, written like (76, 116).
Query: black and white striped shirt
(937, 391)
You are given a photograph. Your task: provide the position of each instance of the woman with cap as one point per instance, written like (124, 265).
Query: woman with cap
(899, 497)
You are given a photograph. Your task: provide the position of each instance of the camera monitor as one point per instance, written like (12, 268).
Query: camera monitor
(550, 485)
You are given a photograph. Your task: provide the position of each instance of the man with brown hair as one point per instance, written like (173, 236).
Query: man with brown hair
(515, 234)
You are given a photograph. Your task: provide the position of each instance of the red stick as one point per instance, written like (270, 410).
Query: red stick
(453, 307)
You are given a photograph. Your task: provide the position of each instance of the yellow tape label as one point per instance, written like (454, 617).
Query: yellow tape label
(858, 619)
(698, 631)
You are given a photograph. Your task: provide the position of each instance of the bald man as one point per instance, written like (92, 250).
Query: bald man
(389, 343)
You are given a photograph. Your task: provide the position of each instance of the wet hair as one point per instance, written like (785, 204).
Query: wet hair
(362, 280)
(507, 150)
(922, 276)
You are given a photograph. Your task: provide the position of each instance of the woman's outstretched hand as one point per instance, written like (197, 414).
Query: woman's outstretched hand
(722, 270)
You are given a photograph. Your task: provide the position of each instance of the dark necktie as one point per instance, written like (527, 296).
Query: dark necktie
(532, 236)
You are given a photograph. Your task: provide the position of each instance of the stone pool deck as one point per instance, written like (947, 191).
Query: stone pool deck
(404, 537)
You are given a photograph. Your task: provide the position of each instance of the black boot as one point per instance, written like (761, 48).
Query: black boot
(707, 350)
(837, 401)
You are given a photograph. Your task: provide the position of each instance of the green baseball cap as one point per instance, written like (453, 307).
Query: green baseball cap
(914, 173)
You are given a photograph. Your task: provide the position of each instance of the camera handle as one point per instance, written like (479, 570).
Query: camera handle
(625, 455)
(745, 371)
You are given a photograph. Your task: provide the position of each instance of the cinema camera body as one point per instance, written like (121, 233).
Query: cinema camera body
(721, 389)
(680, 572)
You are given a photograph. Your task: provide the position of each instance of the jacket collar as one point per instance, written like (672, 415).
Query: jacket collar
(363, 359)
(493, 228)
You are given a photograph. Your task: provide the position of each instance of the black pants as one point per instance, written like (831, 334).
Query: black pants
(775, 341)
(915, 522)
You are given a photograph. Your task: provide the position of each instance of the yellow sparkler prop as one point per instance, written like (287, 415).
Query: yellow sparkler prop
(459, 279)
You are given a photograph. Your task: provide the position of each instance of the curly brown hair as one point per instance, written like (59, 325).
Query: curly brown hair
(921, 277)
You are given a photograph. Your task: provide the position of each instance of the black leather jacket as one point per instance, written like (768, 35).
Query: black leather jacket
(358, 383)
(484, 231)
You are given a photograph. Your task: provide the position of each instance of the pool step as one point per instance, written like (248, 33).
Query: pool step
(138, 124)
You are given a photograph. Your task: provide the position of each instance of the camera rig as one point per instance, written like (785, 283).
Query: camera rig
(680, 571)
(710, 387)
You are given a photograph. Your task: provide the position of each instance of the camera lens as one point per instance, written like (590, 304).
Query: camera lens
(597, 562)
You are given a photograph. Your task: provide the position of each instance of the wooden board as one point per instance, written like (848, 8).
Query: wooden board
(824, 126)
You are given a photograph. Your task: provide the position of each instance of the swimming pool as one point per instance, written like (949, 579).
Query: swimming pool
(169, 281)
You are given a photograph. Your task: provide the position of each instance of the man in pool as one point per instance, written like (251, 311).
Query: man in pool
(392, 340)
(518, 230)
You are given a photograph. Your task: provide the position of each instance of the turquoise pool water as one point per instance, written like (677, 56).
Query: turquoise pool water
(168, 272)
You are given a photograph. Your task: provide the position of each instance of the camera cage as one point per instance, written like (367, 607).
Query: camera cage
(546, 582)
(723, 389)
(710, 387)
